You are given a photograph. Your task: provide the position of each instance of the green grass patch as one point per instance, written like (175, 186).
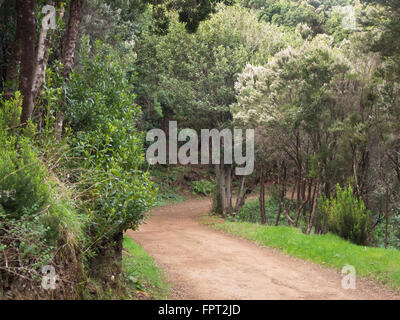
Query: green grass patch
(378, 264)
(166, 197)
(142, 272)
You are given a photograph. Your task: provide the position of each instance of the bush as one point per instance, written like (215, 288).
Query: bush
(35, 213)
(250, 212)
(107, 148)
(22, 177)
(203, 187)
(344, 215)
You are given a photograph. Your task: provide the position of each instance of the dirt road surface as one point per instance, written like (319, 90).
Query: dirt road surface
(201, 263)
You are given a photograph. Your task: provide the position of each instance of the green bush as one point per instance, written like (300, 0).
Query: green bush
(203, 187)
(106, 152)
(345, 216)
(22, 178)
(34, 211)
(250, 212)
(10, 112)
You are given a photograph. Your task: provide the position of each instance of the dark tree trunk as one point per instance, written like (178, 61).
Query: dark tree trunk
(106, 265)
(299, 188)
(12, 68)
(282, 196)
(278, 216)
(72, 35)
(262, 197)
(27, 27)
(314, 207)
(69, 50)
(386, 218)
(222, 189)
(240, 195)
(229, 206)
(217, 205)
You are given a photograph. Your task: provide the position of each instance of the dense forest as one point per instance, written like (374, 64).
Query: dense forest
(83, 81)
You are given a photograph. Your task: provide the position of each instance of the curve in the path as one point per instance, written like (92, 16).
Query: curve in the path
(202, 263)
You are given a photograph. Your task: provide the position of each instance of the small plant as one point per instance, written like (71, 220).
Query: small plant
(203, 187)
(344, 215)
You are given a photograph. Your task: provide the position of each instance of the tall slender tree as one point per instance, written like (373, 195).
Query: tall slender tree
(27, 32)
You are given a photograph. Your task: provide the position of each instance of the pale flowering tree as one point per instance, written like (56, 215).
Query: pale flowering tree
(290, 102)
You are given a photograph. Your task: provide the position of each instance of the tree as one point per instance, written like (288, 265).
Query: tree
(290, 102)
(190, 77)
(26, 27)
(71, 35)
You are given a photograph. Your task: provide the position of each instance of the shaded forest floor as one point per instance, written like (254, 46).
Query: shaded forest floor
(202, 263)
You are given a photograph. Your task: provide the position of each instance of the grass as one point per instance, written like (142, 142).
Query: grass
(382, 265)
(168, 197)
(142, 272)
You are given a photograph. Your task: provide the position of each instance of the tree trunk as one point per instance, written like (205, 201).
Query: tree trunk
(106, 265)
(69, 50)
(309, 200)
(72, 35)
(262, 197)
(45, 39)
(229, 207)
(386, 218)
(11, 84)
(278, 216)
(222, 189)
(282, 196)
(26, 24)
(298, 211)
(314, 207)
(300, 178)
(240, 196)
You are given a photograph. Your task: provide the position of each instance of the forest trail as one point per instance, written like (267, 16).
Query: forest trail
(202, 263)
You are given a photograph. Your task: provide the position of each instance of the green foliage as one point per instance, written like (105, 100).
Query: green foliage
(319, 16)
(345, 216)
(190, 13)
(27, 242)
(290, 13)
(10, 113)
(142, 273)
(22, 178)
(250, 212)
(191, 76)
(203, 187)
(35, 210)
(107, 148)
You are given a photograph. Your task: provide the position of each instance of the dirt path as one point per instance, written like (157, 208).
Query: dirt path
(202, 263)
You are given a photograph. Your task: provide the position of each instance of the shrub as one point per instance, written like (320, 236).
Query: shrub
(203, 187)
(250, 212)
(106, 156)
(10, 112)
(106, 148)
(22, 178)
(344, 215)
(35, 214)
